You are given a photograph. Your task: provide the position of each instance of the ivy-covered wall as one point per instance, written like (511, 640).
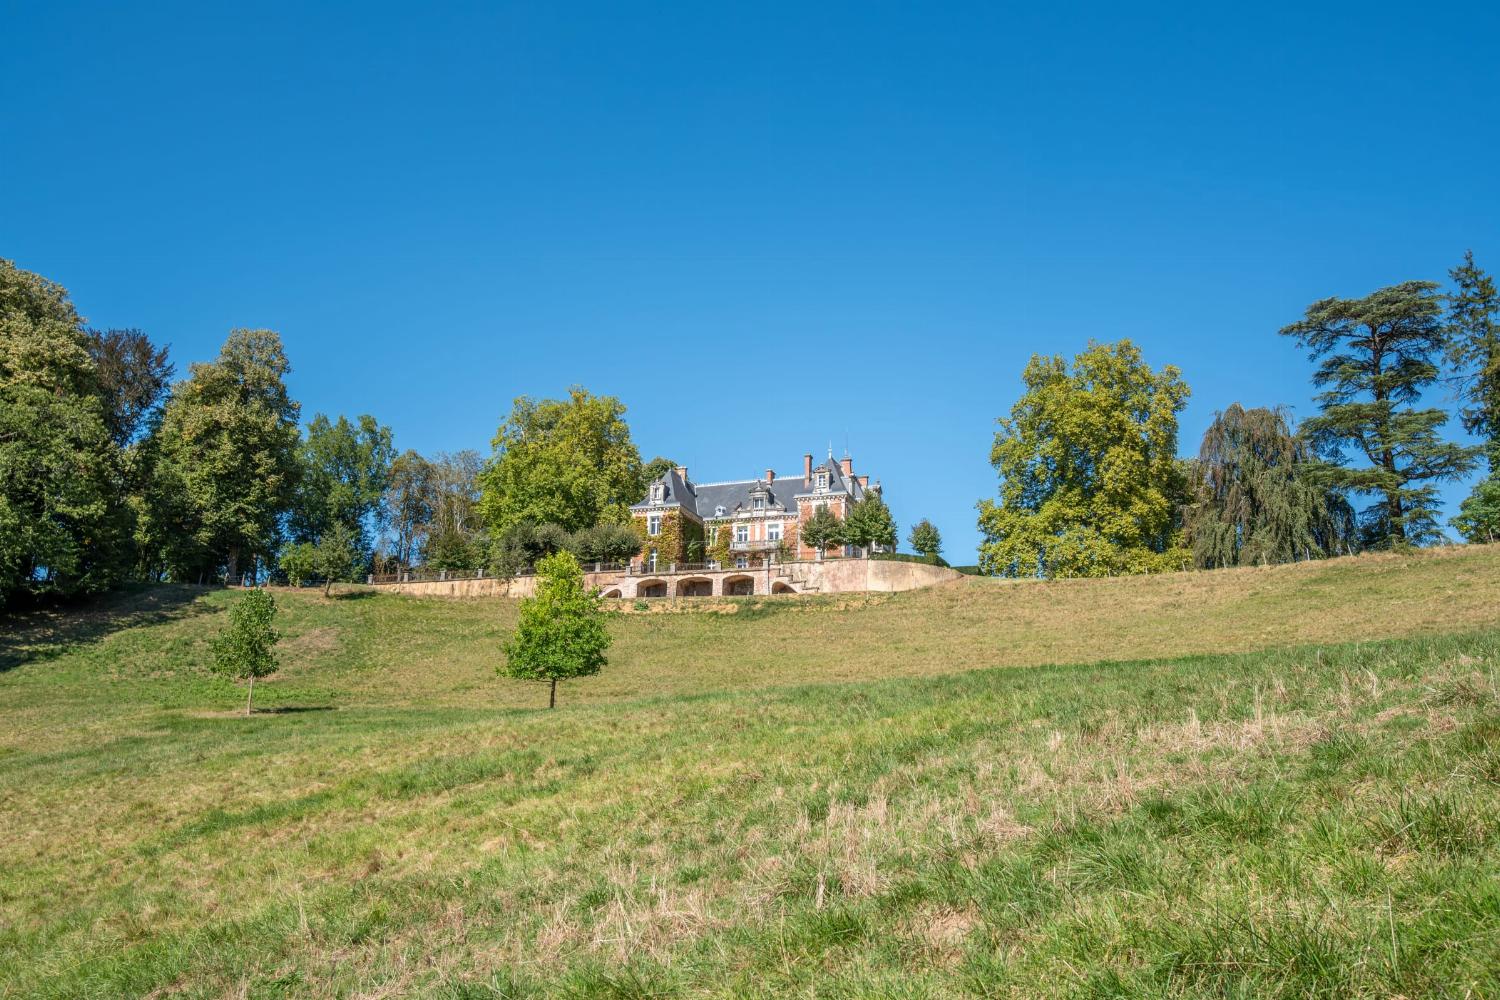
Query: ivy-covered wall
(680, 540)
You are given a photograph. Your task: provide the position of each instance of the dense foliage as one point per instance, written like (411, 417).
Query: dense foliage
(560, 632)
(229, 459)
(926, 540)
(569, 462)
(1088, 466)
(64, 525)
(1259, 495)
(822, 531)
(869, 523)
(1377, 354)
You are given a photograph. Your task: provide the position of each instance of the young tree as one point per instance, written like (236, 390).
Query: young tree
(63, 524)
(926, 540)
(243, 651)
(869, 524)
(345, 470)
(569, 462)
(229, 455)
(822, 531)
(339, 556)
(1258, 495)
(1377, 356)
(1089, 482)
(561, 631)
(1478, 517)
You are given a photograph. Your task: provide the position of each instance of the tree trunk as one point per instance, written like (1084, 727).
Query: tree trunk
(327, 586)
(234, 564)
(552, 698)
(250, 698)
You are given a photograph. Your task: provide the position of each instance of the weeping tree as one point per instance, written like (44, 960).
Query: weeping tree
(1260, 495)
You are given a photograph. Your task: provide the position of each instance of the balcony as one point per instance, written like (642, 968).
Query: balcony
(756, 545)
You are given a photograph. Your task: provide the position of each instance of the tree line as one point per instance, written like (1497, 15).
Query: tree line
(1091, 485)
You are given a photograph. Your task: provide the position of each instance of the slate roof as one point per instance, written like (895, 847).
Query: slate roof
(703, 499)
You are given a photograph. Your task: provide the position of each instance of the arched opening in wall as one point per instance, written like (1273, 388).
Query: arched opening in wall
(782, 588)
(651, 588)
(739, 586)
(611, 593)
(695, 587)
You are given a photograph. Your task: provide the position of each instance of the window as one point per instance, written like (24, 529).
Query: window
(713, 534)
(657, 491)
(773, 531)
(760, 503)
(719, 511)
(822, 481)
(742, 533)
(741, 562)
(713, 564)
(653, 524)
(651, 561)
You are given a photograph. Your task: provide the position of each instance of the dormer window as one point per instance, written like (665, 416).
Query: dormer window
(658, 491)
(822, 481)
(760, 503)
(719, 511)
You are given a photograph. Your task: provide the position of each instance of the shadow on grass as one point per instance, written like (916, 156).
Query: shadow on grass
(293, 709)
(41, 633)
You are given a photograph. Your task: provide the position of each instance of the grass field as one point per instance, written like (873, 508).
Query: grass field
(1278, 782)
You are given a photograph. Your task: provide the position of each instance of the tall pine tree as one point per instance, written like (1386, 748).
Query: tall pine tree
(1378, 354)
(1474, 350)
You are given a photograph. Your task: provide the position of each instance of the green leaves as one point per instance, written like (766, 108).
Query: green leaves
(1089, 484)
(568, 462)
(229, 446)
(1378, 355)
(561, 631)
(1260, 495)
(870, 523)
(925, 539)
(821, 531)
(244, 649)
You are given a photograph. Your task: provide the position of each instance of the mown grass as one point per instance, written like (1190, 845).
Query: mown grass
(816, 799)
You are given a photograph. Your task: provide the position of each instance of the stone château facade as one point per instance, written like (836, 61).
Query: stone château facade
(746, 523)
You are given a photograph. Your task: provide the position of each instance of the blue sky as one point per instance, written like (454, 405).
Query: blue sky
(765, 227)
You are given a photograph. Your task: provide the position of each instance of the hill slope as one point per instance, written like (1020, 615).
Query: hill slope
(1223, 794)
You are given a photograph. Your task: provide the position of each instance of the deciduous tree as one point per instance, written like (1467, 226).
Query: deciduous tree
(1089, 483)
(243, 651)
(569, 462)
(345, 470)
(63, 525)
(229, 455)
(409, 505)
(561, 631)
(1376, 355)
(821, 531)
(926, 540)
(1259, 495)
(869, 524)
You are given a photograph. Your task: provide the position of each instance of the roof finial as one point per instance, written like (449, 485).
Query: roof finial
(830, 449)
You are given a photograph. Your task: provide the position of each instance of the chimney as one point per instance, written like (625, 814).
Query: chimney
(807, 468)
(770, 476)
(682, 471)
(848, 465)
(864, 482)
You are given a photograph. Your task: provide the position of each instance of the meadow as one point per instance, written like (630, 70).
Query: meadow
(1263, 782)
